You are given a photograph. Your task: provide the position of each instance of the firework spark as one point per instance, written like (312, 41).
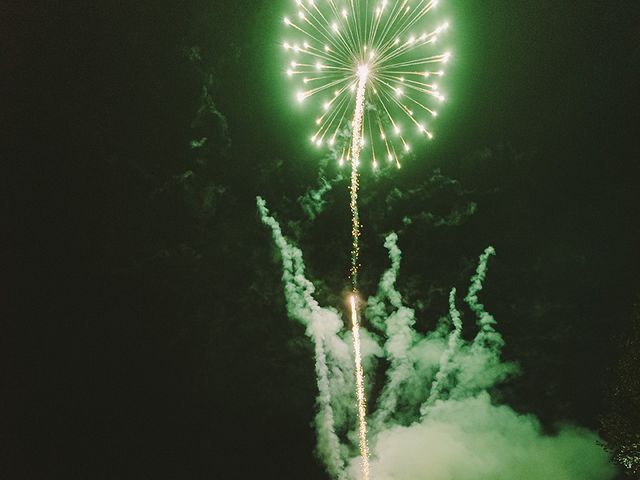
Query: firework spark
(330, 41)
(356, 147)
(362, 402)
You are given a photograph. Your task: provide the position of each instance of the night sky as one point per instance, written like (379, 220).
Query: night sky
(144, 332)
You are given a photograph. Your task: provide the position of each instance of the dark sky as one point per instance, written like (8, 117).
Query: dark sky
(143, 328)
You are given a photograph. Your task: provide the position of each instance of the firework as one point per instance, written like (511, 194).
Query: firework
(329, 43)
(371, 72)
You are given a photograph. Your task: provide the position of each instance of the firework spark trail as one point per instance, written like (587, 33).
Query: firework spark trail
(356, 147)
(360, 391)
(345, 51)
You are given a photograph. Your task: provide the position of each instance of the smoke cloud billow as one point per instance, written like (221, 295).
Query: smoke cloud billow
(323, 327)
(474, 439)
(434, 418)
(313, 201)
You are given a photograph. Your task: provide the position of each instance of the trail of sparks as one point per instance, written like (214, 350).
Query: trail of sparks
(357, 50)
(356, 147)
(362, 402)
(380, 48)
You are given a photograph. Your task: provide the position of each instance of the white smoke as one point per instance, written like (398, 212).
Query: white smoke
(434, 418)
(474, 439)
(322, 326)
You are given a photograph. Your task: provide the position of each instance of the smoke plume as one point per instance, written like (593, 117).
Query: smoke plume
(434, 418)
